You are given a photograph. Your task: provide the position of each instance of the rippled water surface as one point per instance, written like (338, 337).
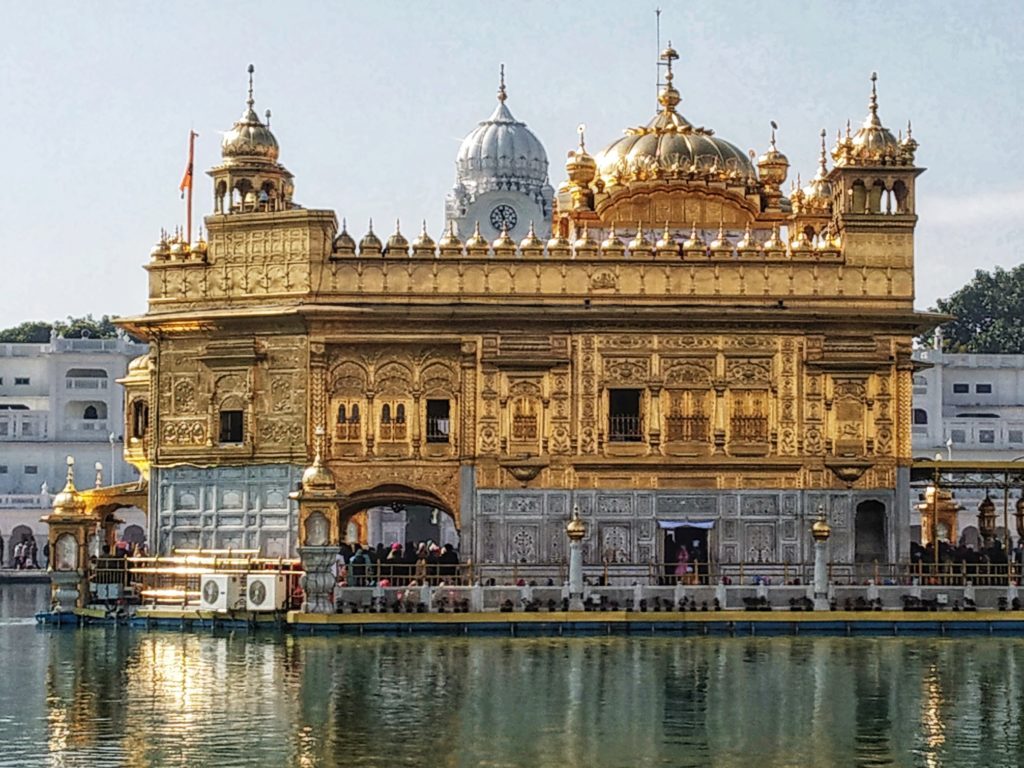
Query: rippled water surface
(113, 697)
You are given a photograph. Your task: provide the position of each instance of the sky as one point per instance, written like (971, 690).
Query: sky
(370, 101)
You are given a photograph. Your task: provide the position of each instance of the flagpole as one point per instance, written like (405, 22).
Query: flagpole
(186, 181)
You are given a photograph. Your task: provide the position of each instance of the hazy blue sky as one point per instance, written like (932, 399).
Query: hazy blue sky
(370, 101)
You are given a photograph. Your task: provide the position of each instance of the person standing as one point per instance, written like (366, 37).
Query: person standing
(33, 552)
(2, 561)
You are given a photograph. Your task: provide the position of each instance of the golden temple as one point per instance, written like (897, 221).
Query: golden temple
(692, 347)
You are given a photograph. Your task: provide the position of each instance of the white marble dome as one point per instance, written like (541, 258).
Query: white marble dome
(500, 149)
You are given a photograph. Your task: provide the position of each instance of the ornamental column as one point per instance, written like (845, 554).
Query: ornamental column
(821, 531)
(319, 532)
(70, 526)
(576, 529)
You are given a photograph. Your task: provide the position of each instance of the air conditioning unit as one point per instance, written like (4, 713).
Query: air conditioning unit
(219, 592)
(266, 592)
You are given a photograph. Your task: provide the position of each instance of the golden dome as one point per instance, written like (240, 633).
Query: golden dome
(161, 250)
(504, 245)
(139, 364)
(68, 501)
(694, 241)
(640, 245)
(774, 243)
(585, 243)
(370, 245)
(344, 244)
(873, 143)
(773, 165)
(424, 244)
(249, 138)
(612, 246)
(816, 197)
(748, 245)
(820, 529)
(575, 529)
(531, 244)
(559, 245)
(666, 245)
(580, 167)
(317, 477)
(721, 244)
(397, 244)
(670, 147)
(477, 243)
(450, 244)
(801, 243)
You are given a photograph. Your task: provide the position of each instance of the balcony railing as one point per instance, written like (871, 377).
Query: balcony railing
(86, 425)
(25, 500)
(392, 431)
(348, 432)
(625, 428)
(687, 429)
(16, 425)
(749, 429)
(85, 382)
(438, 429)
(524, 428)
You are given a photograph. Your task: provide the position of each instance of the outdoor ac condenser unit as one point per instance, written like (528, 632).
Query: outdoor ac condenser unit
(265, 592)
(219, 592)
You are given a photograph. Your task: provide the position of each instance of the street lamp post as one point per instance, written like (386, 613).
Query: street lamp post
(113, 470)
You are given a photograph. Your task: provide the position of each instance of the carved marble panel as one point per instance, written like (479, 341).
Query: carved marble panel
(760, 504)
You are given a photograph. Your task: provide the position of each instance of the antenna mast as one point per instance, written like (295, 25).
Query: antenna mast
(657, 53)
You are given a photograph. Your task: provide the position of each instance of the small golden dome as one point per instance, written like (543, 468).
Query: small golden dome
(139, 364)
(344, 244)
(249, 138)
(68, 501)
(504, 245)
(873, 144)
(816, 197)
(424, 244)
(575, 529)
(531, 244)
(666, 245)
(801, 243)
(580, 167)
(640, 245)
(774, 243)
(722, 245)
(694, 242)
(612, 246)
(773, 165)
(179, 250)
(820, 529)
(161, 250)
(477, 244)
(559, 245)
(370, 245)
(450, 244)
(317, 477)
(585, 243)
(748, 245)
(397, 244)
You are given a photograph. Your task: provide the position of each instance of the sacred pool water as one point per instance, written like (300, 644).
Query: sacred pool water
(112, 697)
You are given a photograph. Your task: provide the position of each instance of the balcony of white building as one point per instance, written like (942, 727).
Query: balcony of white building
(18, 424)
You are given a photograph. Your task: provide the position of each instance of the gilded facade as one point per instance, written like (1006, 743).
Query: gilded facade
(691, 346)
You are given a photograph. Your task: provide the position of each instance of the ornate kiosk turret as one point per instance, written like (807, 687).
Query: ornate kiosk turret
(70, 525)
(319, 531)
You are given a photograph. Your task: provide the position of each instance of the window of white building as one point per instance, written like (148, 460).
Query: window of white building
(958, 436)
(31, 469)
(986, 436)
(1016, 435)
(983, 389)
(920, 416)
(20, 381)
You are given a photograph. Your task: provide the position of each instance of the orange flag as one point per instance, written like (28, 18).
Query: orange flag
(186, 180)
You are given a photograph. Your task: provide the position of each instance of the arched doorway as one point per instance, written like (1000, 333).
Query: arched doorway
(19, 534)
(396, 526)
(869, 532)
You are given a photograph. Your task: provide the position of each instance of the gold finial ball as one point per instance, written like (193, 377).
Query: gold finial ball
(575, 529)
(820, 529)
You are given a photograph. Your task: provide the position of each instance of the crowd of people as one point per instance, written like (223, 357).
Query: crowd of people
(24, 554)
(988, 560)
(414, 563)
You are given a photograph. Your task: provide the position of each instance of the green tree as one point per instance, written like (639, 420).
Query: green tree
(32, 331)
(38, 332)
(988, 312)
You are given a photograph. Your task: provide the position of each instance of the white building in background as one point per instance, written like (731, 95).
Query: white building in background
(58, 399)
(970, 406)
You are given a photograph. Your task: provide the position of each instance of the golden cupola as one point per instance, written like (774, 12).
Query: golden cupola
(873, 144)
(816, 197)
(250, 178)
(670, 147)
(249, 138)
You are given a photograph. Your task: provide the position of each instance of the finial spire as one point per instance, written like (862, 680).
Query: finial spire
(873, 103)
(822, 167)
(318, 440)
(581, 129)
(267, 115)
(502, 93)
(250, 101)
(69, 484)
(775, 127)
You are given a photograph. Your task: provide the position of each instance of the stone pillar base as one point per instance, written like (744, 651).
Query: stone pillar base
(66, 589)
(318, 583)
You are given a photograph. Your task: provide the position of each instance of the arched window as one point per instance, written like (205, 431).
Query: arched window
(385, 414)
(400, 413)
(90, 412)
(140, 419)
(341, 413)
(355, 414)
(920, 416)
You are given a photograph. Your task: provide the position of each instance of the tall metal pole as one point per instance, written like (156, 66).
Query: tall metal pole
(113, 469)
